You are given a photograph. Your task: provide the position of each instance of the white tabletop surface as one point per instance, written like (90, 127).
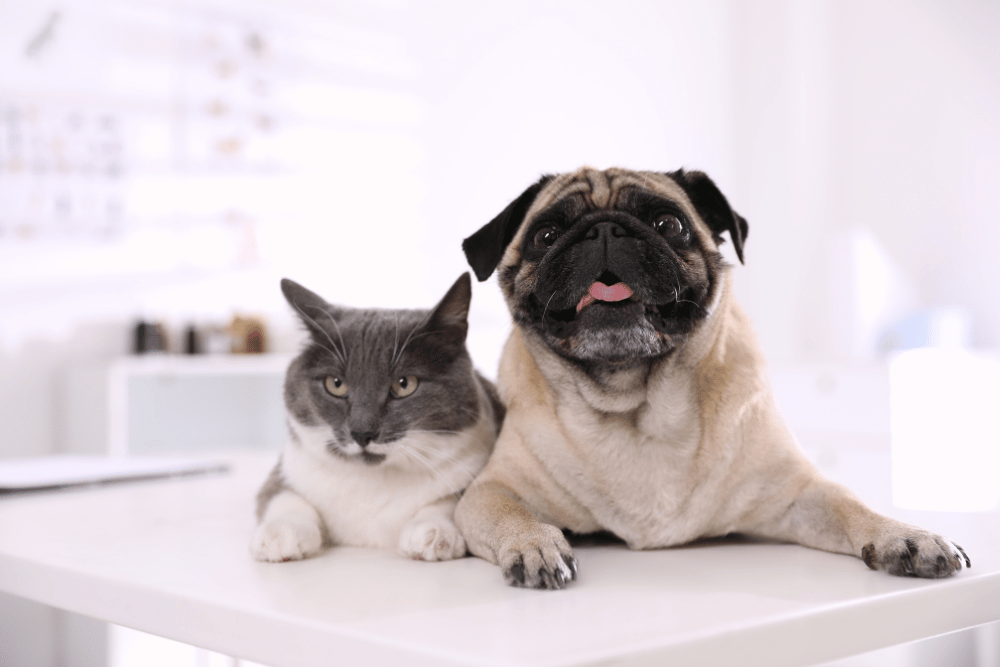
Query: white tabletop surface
(170, 557)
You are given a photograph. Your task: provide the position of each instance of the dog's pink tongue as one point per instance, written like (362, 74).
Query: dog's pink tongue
(601, 292)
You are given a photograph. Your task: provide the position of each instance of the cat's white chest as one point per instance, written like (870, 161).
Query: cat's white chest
(369, 505)
(361, 505)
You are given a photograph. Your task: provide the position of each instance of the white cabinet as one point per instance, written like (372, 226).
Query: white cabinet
(182, 403)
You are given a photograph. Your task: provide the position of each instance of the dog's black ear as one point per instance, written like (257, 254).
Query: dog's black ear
(713, 208)
(484, 249)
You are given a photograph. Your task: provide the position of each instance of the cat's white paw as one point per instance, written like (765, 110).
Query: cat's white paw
(277, 541)
(432, 539)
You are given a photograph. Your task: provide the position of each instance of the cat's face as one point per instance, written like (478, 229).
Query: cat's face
(368, 379)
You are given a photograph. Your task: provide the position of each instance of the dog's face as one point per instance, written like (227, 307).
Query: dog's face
(610, 267)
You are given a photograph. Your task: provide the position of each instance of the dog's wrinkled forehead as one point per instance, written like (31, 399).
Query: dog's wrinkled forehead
(589, 189)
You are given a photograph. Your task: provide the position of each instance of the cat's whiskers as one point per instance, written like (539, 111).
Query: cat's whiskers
(397, 351)
(463, 409)
(435, 470)
(395, 340)
(332, 353)
(509, 331)
(415, 446)
(336, 327)
(428, 449)
(335, 351)
(440, 431)
(406, 342)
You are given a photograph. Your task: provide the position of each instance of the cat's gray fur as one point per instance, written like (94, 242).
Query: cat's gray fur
(369, 468)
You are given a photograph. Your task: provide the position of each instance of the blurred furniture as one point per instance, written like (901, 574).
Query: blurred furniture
(170, 557)
(159, 403)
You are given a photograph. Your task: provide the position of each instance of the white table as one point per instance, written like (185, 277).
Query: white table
(170, 557)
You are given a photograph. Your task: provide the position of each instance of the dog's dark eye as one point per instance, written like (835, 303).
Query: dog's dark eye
(668, 226)
(546, 237)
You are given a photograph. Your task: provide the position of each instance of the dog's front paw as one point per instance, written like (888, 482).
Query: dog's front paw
(540, 558)
(277, 541)
(431, 539)
(915, 553)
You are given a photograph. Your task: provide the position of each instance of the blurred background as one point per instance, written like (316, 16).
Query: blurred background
(168, 161)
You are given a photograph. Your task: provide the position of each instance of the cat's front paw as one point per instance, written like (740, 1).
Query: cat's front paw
(915, 553)
(432, 539)
(276, 541)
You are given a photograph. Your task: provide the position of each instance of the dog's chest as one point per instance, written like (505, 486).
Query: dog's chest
(636, 472)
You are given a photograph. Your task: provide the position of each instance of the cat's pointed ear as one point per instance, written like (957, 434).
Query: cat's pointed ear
(451, 316)
(484, 249)
(309, 306)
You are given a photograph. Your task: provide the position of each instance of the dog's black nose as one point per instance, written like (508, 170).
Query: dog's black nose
(605, 231)
(363, 437)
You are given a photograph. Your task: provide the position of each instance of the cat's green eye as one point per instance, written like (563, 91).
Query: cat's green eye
(335, 386)
(404, 386)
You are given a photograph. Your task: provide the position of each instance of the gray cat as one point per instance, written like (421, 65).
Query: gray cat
(388, 424)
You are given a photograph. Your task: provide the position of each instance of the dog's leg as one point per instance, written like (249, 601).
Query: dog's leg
(825, 515)
(498, 528)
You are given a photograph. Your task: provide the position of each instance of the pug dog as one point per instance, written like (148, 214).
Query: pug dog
(636, 391)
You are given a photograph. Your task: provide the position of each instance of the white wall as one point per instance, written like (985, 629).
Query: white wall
(836, 128)
(918, 136)
(874, 123)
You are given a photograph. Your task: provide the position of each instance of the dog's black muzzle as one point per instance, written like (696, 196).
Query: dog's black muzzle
(607, 247)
